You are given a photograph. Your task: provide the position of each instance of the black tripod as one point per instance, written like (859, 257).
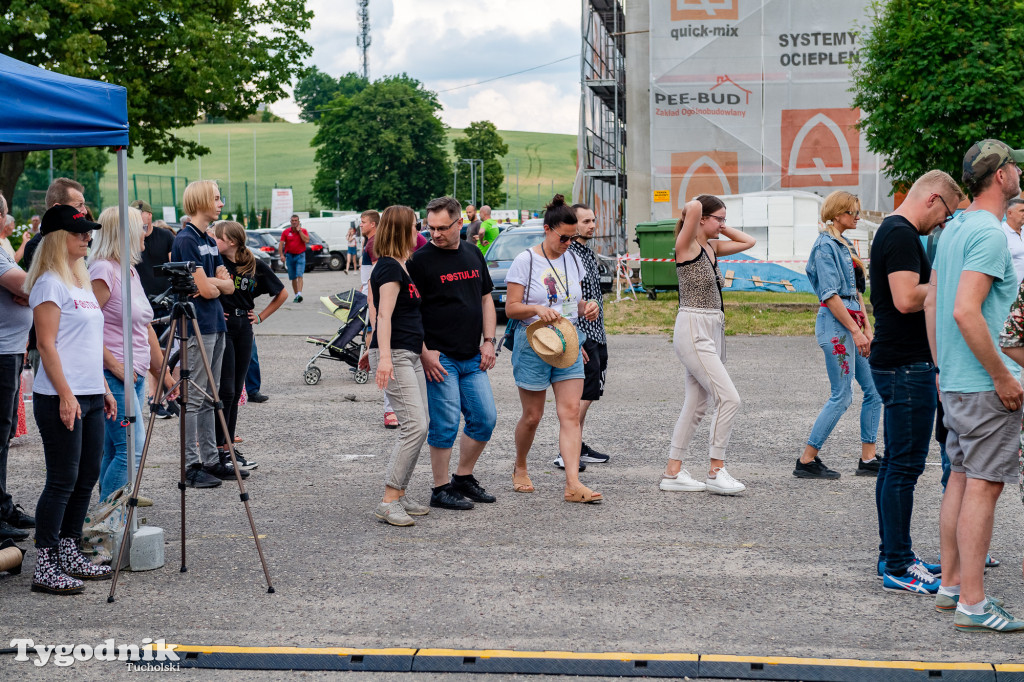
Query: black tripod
(182, 311)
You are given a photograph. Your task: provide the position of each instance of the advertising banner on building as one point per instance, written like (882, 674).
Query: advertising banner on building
(754, 95)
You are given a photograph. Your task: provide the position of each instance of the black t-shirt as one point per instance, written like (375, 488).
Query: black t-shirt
(406, 323)
(900, 338)
(248, 287)
(453, 283)
(157, 252)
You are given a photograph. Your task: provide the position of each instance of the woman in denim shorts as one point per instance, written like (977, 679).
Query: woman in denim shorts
(544, 284)
(844, 334)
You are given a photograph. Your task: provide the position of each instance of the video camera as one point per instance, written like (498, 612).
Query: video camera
(180, 274)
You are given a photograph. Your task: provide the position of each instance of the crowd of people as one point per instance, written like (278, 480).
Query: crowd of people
(944, 352)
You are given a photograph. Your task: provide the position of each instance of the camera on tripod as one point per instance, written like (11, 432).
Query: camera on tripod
(180, 274)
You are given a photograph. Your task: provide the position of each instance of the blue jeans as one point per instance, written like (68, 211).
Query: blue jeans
(466, 389)
(909, 395)
(114, 465)
(841, 378)
(296, 263)
(252, 377)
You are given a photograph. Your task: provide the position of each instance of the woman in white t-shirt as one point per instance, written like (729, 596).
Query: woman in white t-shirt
(544, 284)
(70, 398)
(105, 274)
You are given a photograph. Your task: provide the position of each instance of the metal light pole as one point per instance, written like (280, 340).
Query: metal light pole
(472, 177)
(337, 194)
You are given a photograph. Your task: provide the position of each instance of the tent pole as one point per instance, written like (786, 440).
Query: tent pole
(126, 324)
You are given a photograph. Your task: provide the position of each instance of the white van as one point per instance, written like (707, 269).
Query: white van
(334, 232)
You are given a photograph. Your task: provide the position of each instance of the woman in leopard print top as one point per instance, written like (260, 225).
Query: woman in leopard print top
(699, 342)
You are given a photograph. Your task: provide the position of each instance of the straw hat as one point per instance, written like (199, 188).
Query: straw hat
(557, 343)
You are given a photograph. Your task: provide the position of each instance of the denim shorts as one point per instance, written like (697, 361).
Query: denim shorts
(532, 373)
(466, 390)
(296, 263)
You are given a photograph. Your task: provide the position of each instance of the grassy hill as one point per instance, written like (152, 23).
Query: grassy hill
(284, 158)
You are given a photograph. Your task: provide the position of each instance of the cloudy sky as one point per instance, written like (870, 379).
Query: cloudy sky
(451, 43)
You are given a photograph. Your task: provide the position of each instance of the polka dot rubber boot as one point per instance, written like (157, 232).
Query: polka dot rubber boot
(77, 565)
(50, 577)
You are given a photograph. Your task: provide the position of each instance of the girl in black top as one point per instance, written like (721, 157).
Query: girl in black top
(395, 357)
(252, 278)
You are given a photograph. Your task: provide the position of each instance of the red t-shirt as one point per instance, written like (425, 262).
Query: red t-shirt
(293, 243)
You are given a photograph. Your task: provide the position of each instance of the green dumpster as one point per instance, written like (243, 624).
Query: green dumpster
(657, 240)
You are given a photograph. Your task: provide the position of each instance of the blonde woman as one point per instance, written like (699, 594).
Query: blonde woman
(395, 357)
(105, 274)
(70, 397)
(844, 334)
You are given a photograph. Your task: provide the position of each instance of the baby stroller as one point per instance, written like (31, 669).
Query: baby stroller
(349, 343)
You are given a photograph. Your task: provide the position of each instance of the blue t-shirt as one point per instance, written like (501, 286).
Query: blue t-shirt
(974, 241)
(191, 244)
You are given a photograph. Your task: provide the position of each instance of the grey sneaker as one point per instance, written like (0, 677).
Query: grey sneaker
(944, 602)
(995, 619)
(412, 507)
(392, 512)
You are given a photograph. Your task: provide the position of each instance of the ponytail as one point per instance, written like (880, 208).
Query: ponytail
(233, 232)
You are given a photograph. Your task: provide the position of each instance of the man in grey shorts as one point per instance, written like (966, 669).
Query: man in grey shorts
(973, 284)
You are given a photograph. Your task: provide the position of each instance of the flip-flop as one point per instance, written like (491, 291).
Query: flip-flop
(584, 495)
(521, 483)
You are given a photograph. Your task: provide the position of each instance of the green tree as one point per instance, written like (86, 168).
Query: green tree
(935, 77)
(252, 223)
(481, 141)
(179, 60)
(315, 91)
(384, 145)
(86, 165)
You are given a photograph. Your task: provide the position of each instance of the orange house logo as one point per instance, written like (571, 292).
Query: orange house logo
(820, 147)
(702, 10)
(696, 173)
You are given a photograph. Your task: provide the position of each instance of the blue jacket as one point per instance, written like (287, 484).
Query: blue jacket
(830, 270)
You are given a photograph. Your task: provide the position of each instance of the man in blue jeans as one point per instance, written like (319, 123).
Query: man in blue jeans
(457, 311)
(903, 372)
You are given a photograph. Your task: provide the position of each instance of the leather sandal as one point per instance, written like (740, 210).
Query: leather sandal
(521, 483)
(584, 495)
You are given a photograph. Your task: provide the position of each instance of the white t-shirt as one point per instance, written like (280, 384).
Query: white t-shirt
(79, 336)
(555, 285)
(1015, 242)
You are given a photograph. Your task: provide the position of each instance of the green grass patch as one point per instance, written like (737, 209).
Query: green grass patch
(757, 313)
(284, 158)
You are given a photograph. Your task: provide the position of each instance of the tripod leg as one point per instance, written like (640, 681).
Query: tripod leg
(133, 501)
(185, 377)
(219, 406)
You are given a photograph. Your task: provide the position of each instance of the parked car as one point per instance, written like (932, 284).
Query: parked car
(333, 231)
(266, 244)
(262, 256)
(316, 251)
(509, 244)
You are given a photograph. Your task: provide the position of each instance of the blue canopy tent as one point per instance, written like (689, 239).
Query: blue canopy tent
(47, 110)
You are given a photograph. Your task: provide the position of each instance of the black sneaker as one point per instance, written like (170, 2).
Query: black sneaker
(469, 487)
(257, 397)
(172, 408)
(591, 456)
(814, 469)
(560, 463)
(224, 472)
(195, 477)
(243, 463)
(868, 468)
(9, 532)
(446, 497)
(159, 411)
(19, 519)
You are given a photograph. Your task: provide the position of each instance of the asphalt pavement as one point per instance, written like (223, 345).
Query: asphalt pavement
(786, 568)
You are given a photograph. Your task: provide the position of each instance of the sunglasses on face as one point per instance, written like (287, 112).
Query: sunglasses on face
(565, 238)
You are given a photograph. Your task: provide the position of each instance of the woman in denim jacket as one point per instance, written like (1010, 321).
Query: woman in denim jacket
(844, 334)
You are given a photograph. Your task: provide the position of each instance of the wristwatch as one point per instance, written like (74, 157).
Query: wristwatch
(493, 340)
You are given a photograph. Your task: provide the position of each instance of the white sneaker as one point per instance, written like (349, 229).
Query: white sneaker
(723, 483)
(682, 482)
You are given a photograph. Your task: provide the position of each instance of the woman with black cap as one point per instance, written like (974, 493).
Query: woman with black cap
(70, 398)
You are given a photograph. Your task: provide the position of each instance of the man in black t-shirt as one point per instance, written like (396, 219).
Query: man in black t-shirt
(457, 309)
(903, 371)
(157, 252)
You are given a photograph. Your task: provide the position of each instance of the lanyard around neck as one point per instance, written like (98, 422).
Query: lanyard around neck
(554, 270)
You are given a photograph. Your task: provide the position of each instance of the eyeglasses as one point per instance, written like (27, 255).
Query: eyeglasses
(719, 218)
(442, 229)
(86, 236)
(949, 214)
(855, 214)
(565, 238)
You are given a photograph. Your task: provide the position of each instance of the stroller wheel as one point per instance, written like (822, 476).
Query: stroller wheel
(362, 376)
(312, 375)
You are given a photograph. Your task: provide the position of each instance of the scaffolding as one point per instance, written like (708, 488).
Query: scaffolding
(601, 160)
